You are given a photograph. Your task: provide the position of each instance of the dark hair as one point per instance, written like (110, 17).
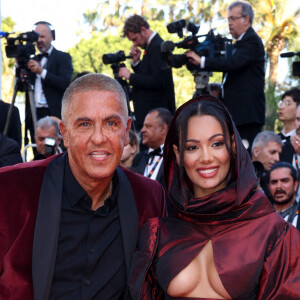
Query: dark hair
(294, 93)
(134, 24)
(283, 164)
(133, 138)
(205, 107)
(163, 114)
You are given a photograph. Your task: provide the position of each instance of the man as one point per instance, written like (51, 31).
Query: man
(14, 127)
(53, 73)
(266, 149)
(287, 114)
(243, 73)
(9, 151)
(70, 228)
(150, 162)
(47, 130)
(130, 150)
(283, 184)
(152, 85)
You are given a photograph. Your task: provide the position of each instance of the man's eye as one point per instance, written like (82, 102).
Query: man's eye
(84, 124)
(111, 123)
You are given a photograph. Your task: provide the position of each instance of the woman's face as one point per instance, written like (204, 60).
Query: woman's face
(206, 159)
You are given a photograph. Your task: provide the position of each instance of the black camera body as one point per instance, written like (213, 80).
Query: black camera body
(296, 64)
(21, 47)
(212, 46)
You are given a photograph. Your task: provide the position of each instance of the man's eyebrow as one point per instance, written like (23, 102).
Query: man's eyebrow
(112, 117)
(82, 119)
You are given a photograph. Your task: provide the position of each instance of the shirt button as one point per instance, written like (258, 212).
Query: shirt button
(86, 282)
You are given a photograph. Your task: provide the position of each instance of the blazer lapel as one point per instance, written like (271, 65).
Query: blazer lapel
(47, 228)
(128, 217)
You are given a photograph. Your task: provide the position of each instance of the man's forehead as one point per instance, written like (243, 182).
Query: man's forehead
(280, 173)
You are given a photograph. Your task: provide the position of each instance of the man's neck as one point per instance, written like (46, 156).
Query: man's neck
(283, 207)
(288, 126)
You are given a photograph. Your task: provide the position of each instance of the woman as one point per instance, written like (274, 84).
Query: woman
(225, 241)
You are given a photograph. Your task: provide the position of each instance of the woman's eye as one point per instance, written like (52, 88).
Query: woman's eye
(191, 147)
(218, 144)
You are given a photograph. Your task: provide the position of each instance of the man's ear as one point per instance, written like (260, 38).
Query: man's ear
(164, 129)
(296, 183)
(177, 154)
(255, 152)
(63, 130)
(128, 124)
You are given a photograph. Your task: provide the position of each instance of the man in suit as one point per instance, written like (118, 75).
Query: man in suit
(152, 85)
(150, 162)
(243, 73)
(14, 126)
(283, 184)
(70, 229)
(53, 73)
(287, 115)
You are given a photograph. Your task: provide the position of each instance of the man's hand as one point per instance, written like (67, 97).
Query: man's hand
(34, 66)
(135, 53)
(124, 73)
(193, 57)
(295, 141)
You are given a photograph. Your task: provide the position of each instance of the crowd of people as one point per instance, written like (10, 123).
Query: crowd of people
(193, 203)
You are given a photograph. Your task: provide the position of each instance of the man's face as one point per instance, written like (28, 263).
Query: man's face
(268, 155)
(282, 186)
(287, 109)
(138, 39)
(95, 133)
(237, 22)
(40, 136)
(297, 121)
(45, 37)
(152, 131)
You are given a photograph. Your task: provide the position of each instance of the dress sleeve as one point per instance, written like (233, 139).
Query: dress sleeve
(280, 278)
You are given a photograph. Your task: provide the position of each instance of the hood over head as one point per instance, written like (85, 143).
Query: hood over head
(239, 195)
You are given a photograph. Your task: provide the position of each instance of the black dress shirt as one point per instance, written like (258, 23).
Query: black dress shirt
(90, 260)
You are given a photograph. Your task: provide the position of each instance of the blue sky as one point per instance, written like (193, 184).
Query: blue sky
(64, 15)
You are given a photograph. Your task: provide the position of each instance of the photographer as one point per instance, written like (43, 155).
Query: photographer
(53, 72)
(243, 72)
(47, 138)
(152, 86)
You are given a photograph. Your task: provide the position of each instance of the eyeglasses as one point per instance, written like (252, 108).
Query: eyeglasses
(285, 103)
(233, 18)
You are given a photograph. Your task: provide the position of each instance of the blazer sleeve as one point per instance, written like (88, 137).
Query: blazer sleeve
(61, 78)
(280, 278)
(248, 51)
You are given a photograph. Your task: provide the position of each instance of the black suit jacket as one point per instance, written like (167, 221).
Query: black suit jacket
(59, 74)
(14, 129)
(152, 84)
(244, 86)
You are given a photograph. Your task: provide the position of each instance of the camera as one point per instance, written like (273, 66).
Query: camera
(21, 47)
(50, 144)
(212, 46)
(114, 58)
(296, 64)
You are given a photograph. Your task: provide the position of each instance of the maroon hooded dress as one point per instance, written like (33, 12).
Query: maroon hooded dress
(256, 253)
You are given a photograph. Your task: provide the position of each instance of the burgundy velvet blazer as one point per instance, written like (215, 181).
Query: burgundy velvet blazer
(30, 209)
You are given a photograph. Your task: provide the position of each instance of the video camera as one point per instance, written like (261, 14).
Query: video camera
(296, 64)
(17, 48)
(212, 46)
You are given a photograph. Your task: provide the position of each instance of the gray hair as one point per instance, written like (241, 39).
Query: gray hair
(92, 82)
(46, 123)
(264, 137)
(246, 9)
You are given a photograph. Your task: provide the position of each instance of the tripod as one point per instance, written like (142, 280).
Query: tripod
(116, 68)
(22, 84)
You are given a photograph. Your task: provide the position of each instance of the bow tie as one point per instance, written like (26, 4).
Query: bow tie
(151, 154)
(41, 55)
(283, 137)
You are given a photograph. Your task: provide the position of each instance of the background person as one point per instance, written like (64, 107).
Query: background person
(74, 219)
(152, 85)
(243, 72)
(130, 150)
(219, 214)
(46, 128)
(283, 184)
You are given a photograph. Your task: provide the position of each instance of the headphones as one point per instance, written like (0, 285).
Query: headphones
(45, 23)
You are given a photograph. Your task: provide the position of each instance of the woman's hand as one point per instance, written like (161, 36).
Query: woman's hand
(193, 58)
